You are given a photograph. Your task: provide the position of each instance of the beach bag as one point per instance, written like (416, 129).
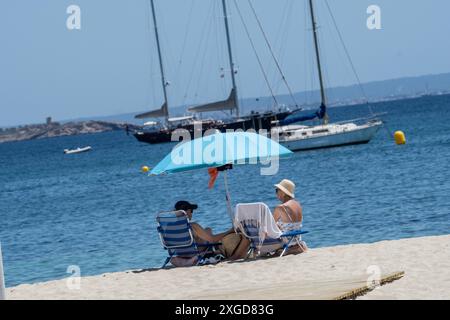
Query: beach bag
(230, 243)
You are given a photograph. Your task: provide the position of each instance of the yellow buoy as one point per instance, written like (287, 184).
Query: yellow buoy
(399, 137)
(145, 169)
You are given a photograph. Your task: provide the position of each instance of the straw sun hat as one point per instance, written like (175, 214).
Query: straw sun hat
(287, 186)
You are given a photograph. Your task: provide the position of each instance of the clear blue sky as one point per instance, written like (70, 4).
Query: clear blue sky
(110, 65)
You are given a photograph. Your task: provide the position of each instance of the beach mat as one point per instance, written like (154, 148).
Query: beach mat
(339, 289)
(364, 288)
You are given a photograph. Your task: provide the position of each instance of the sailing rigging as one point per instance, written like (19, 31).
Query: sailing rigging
(164, 110)
(300, 137)
(255, 120)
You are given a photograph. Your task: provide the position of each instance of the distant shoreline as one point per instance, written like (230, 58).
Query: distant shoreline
(55, 129)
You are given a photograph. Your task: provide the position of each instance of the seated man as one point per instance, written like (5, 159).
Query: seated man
(201, 235)
(233, 245)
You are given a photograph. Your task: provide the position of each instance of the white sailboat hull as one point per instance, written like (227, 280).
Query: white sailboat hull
(326, 136)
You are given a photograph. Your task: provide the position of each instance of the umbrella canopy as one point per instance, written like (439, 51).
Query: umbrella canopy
(220, 149)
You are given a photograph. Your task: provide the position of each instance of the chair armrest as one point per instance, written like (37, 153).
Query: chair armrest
(293, 233)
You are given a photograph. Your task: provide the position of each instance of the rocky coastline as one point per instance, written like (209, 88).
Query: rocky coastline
(55, 129)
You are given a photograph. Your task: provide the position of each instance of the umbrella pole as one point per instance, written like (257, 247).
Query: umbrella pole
(228, 198)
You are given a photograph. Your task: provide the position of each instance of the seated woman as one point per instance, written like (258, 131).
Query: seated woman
(229, 238)
(289, 215)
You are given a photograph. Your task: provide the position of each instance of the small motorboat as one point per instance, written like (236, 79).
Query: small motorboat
(77, 150)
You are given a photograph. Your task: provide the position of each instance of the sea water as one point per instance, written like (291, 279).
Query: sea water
(95, 212)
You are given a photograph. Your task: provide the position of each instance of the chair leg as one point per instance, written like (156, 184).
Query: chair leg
(285, 247)
(166, 262)
(250, 252)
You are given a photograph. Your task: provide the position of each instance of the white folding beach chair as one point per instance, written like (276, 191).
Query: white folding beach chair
(256, 222)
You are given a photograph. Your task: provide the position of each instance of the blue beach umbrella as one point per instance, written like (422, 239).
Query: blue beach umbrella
(221, 150)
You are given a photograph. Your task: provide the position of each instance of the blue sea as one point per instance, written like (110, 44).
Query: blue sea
(97, 210)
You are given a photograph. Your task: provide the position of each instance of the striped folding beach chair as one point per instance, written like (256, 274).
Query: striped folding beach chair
(176, 236)
(257, 224)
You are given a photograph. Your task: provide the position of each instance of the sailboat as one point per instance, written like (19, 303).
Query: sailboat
(156, 132)
(300, 137)
(255, 120)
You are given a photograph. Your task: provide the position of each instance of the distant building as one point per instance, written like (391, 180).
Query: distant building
(49, 120)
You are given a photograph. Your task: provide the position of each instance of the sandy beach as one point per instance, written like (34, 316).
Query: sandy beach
(323, 273)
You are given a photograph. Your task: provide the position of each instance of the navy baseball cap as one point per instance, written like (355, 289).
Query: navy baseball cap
(185, 205)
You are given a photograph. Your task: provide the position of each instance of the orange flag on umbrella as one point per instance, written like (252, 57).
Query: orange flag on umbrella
(213, 173)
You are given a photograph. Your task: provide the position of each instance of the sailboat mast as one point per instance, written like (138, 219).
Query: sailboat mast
(316, 45)
(161, 66)
(230, 55)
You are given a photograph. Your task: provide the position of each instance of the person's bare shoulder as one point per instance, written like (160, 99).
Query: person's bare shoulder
(277, 212)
